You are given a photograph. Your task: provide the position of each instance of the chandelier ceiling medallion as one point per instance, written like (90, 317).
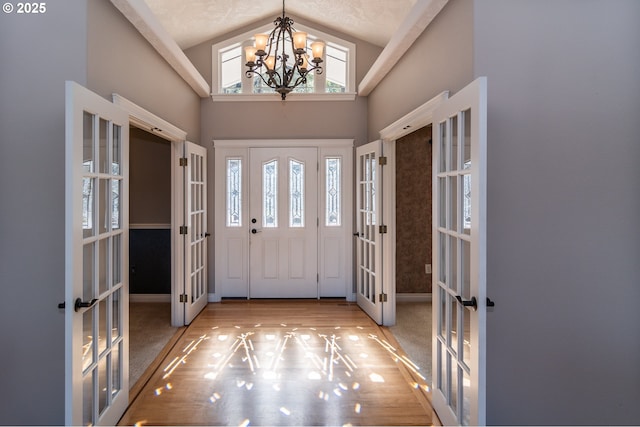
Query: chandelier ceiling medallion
(281, 58)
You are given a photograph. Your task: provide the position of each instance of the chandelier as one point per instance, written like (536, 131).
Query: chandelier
(280, 58)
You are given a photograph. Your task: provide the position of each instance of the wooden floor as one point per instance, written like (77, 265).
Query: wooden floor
(283, 363)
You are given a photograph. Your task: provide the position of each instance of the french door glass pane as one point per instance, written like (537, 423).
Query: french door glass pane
(372, 184)
(103, 205)
(103, 145)
(454, 386)
(88, 160)
(452, 339)
(466, 204)
(453, 263)
(87, 404)
(443, 314)
(115, 316)
(453, 161)
(103, 336)
(102, 384)
(466, 392)
(453, 203)
(103, 256)
(333, 213)
(116, 186)
(270, 194)
(466, 131)
(88, 263)
(465, 263)
(116, 271)
(443, 147)
(296, 194)
(88, 206)
(116, 152)
(87, 339)
(465, 354)
(442, 202)
(115, 370)
(442, 259)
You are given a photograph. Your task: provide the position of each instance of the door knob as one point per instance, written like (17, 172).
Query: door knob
(84, 304)
(473, 302)
(254, 231)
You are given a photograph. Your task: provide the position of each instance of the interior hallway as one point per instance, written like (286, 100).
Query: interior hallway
(292, 362)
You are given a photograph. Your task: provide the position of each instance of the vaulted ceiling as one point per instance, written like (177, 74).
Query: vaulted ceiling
(190, 22)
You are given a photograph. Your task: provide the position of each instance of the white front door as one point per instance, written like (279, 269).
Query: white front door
(283, 223)
(96, 258)
(195, 282)
(369, 269)
(459, 223)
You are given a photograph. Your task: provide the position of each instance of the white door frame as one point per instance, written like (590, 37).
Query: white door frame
(416, 119)
(149, 122)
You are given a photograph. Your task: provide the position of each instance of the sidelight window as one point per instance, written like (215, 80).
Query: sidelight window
(333, 209)
(234, 192)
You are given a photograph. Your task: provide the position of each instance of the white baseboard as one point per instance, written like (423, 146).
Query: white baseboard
(149, 297)
(214, 298)
(352, 297)
(413, 297)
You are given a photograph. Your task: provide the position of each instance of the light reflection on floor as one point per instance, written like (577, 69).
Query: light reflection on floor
(267, 373)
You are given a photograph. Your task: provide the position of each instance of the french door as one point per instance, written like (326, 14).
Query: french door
(195, 254)
(96, 252)
(459, 294)
(283, 223)
(369, 293)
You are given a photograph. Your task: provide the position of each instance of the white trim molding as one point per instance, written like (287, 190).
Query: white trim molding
(141, 226)
(148, 121)
(139, 14)
(416, 119)
(213, 297)
(422, 14)
(414, 297)
(275, 97)
(149, 297)
(281, 143)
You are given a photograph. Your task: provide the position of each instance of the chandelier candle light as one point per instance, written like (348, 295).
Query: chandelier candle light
(270, 52)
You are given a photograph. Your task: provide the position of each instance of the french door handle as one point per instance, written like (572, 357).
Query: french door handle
(473, 302)
(84, 304)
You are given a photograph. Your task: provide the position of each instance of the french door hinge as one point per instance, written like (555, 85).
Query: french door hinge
(383, 229)
(183, 229)
(383, 298)
(382, 160)
(184, 298)
(183, 161)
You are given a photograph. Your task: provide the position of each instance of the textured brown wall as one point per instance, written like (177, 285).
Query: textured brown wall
(413, 211)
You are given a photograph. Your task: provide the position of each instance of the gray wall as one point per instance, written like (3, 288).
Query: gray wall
(563, 208)
(440, 59)
(122, 61)
(37, 53)
(149, 179)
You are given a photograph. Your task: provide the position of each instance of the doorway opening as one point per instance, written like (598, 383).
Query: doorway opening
(414, 246)
(150, 249)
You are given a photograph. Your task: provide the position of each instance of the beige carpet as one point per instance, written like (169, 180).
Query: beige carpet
(149, 331)
(413, 332)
